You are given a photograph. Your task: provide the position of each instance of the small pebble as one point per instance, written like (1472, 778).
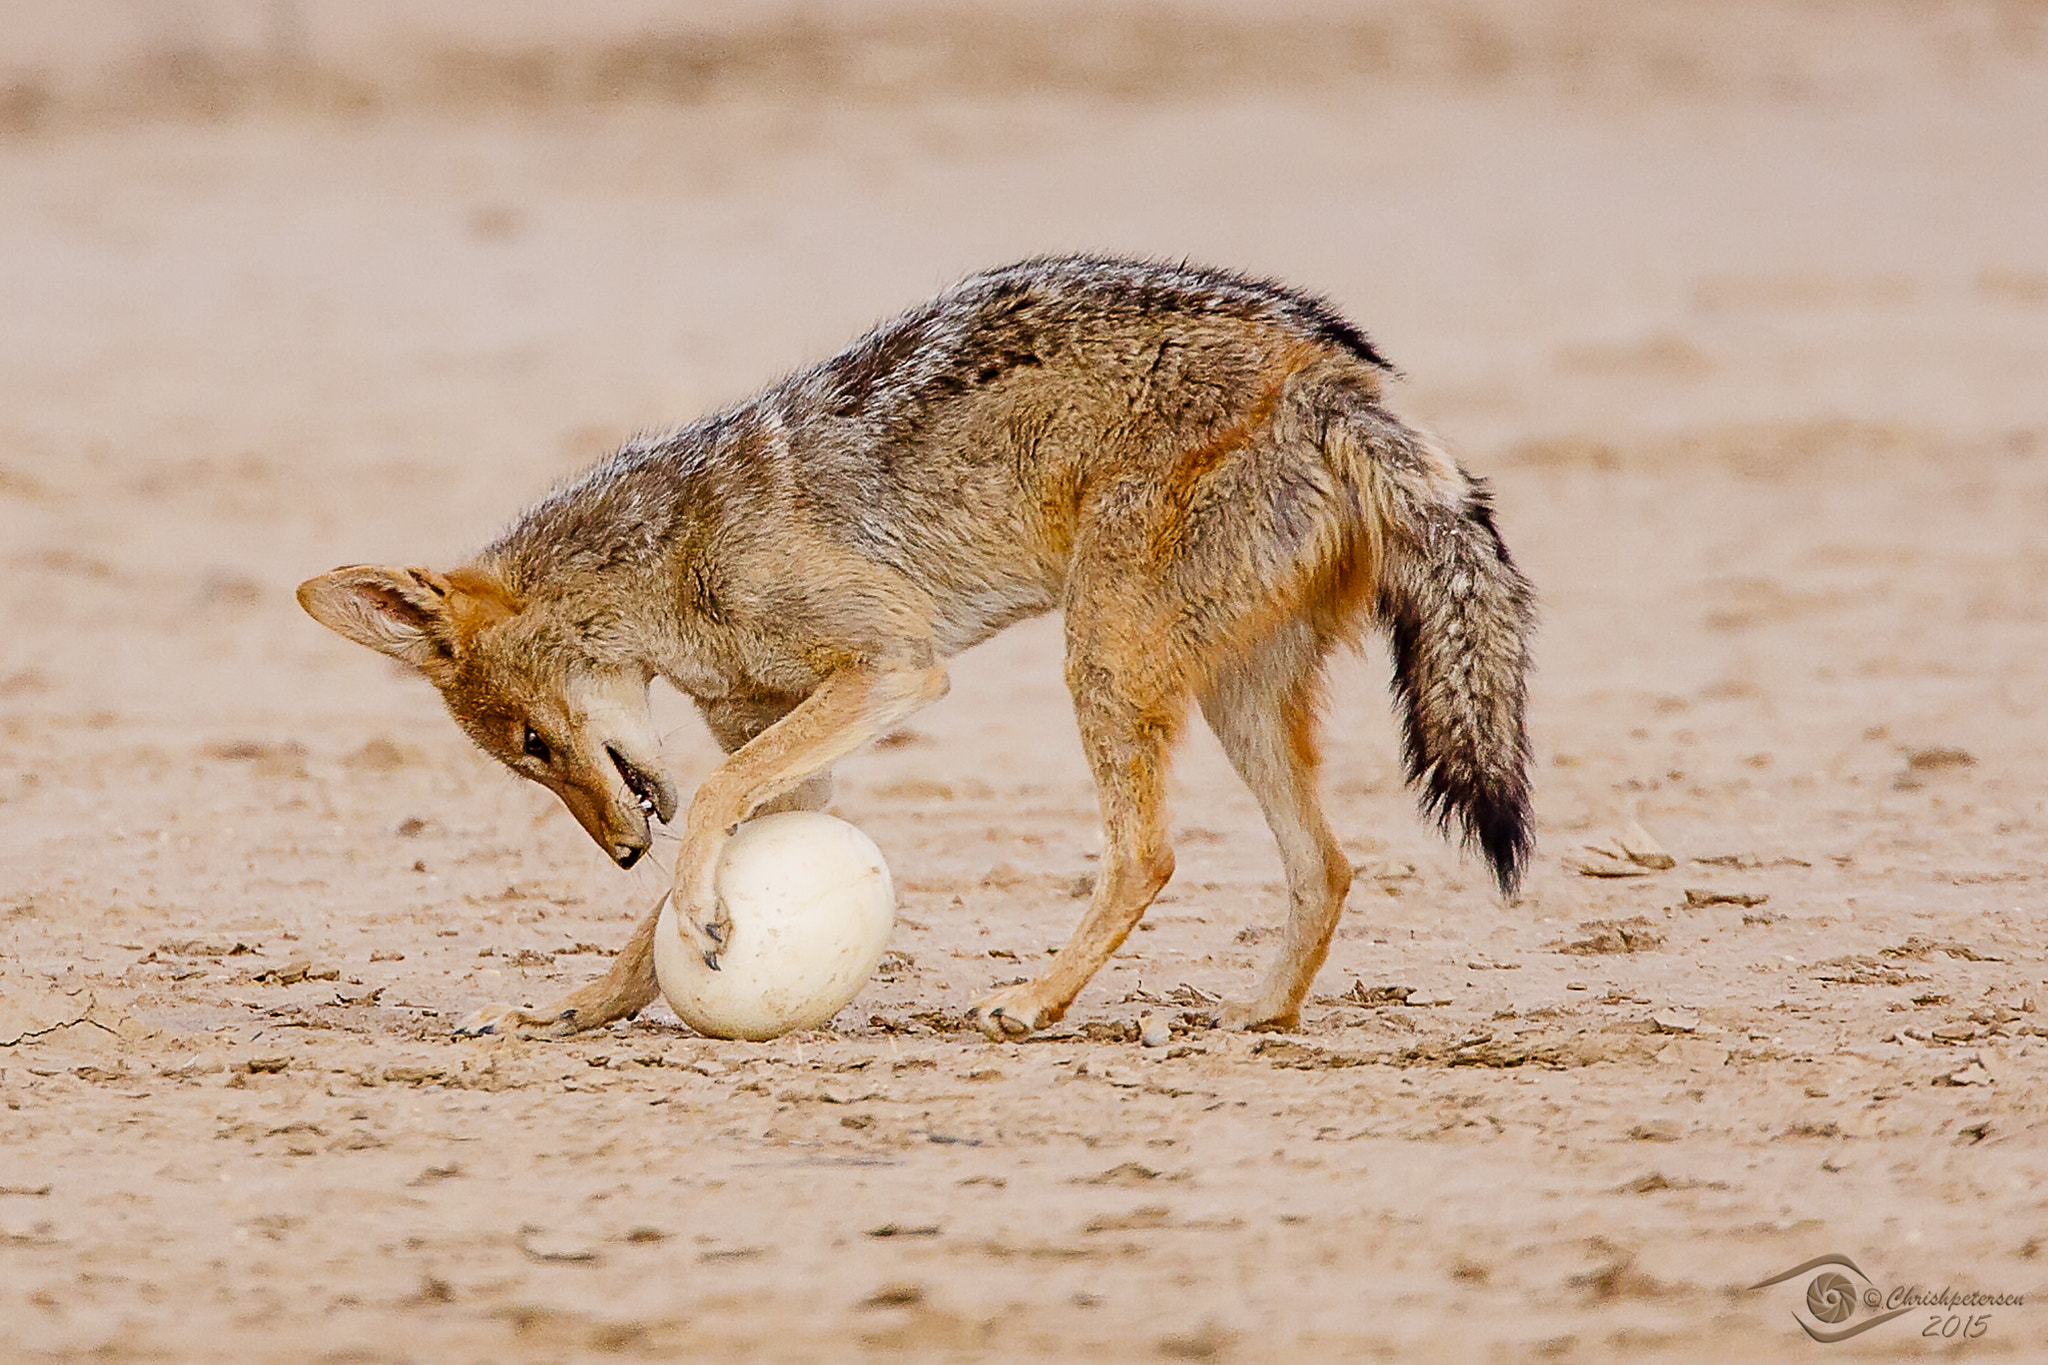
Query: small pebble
(1153, 1031)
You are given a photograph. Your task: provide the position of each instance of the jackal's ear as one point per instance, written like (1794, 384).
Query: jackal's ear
(416, 616)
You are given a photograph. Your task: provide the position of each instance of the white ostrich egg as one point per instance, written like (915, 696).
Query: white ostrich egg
(811, 908)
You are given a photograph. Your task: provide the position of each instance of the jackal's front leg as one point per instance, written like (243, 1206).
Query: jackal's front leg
(620, 993)
(781, 766)
(849, 708)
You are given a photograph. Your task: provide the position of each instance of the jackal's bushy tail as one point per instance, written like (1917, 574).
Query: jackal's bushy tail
(1459, 615)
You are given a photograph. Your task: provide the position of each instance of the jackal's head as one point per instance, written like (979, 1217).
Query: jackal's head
(529, 688)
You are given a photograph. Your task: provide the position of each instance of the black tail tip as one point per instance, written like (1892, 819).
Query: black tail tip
(1504, 831)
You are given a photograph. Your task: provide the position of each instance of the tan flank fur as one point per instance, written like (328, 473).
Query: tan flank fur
(1194, 466)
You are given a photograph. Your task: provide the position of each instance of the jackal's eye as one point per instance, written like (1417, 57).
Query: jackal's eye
(536, 747)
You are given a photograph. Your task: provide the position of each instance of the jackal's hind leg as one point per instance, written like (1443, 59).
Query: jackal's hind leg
(1137, 861)
(1129, 707)
(1264, 714)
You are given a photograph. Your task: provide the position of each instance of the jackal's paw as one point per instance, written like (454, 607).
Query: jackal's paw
(511, 1021)
(707, 936)
(1014, 1012)
(1255, 1016)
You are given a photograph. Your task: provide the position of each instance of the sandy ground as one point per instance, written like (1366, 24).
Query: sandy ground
(1745, 310)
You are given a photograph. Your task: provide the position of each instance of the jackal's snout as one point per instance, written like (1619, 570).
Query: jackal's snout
(607, 766)
(653, 798)
(620, 802)
(653, 792)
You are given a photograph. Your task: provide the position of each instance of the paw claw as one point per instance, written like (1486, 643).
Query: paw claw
(512, 1021)
(709, 936)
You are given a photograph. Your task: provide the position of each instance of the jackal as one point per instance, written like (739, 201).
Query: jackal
(1195, 466)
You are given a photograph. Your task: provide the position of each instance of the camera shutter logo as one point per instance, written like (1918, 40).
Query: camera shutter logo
(1831, 1297)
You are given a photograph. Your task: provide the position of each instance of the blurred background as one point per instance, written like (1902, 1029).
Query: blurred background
(1745, 303)
(263, 258)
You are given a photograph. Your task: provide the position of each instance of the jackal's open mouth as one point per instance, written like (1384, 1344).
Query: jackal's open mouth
(646, 791)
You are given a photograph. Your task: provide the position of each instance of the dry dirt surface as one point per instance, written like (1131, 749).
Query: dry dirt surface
(1743, 307)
